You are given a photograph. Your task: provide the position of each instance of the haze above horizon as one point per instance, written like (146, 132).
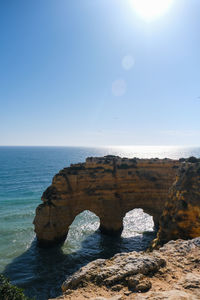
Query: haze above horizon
(98, 73)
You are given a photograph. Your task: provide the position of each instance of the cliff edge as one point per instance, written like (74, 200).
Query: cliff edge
(172, 272)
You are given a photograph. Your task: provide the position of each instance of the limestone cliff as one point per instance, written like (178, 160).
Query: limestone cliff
(108, 186)
(181, 215)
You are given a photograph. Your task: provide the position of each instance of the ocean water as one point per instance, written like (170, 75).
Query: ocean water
(25, 172)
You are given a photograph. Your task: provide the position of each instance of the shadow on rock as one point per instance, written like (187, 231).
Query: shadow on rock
(40, 272)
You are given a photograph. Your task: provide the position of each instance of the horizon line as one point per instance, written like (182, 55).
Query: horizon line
(100, 146)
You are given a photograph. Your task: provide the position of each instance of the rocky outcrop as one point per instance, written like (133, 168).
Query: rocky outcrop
(122, 270)
(169, 190)
(181, 215)
(107, 186)
(172, 272)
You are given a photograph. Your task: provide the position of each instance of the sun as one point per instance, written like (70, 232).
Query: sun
(151, 9)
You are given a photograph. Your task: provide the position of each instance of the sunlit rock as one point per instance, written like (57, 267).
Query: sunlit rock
(108, 186)
(181, 215)
(172, 272)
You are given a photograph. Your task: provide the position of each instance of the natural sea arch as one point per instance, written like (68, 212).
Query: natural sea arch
(86, 225)
(83, 224)
(135, 222)
(109, 187)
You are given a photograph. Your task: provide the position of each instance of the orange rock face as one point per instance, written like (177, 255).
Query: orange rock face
(181, 215)
(107, 186)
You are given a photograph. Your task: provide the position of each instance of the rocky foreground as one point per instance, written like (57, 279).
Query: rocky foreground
(172, 272)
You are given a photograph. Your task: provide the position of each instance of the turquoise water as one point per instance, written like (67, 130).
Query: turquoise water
(25, 172)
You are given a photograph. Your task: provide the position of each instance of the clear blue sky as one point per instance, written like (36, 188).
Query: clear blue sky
(95, 72)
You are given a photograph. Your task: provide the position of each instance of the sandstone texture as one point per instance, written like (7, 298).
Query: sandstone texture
(181, 215)
(108, 186)
(172, 272)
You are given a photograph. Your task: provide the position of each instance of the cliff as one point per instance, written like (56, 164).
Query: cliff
(181, 214)
(107, 186)
(110, 186)
(172, 272)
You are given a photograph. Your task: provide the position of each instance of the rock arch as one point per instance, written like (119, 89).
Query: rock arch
(108, 186)
(85, 221)
(132, 224)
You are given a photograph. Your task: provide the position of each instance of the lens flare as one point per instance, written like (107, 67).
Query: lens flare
(119, 87)
(128, 62)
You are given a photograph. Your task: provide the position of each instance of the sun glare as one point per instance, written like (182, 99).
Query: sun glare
(151, 9)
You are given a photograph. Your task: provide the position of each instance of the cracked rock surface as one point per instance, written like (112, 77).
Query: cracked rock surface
(172, 272)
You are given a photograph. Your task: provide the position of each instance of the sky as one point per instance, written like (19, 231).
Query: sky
(99, 72)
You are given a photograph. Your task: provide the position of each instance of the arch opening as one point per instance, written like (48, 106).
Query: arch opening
(136, 222)
(83, 225)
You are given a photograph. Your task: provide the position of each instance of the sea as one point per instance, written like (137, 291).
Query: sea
(25, 172)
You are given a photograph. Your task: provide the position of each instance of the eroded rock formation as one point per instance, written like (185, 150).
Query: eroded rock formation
(172, 272)
(107, 186)
(181, 215)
